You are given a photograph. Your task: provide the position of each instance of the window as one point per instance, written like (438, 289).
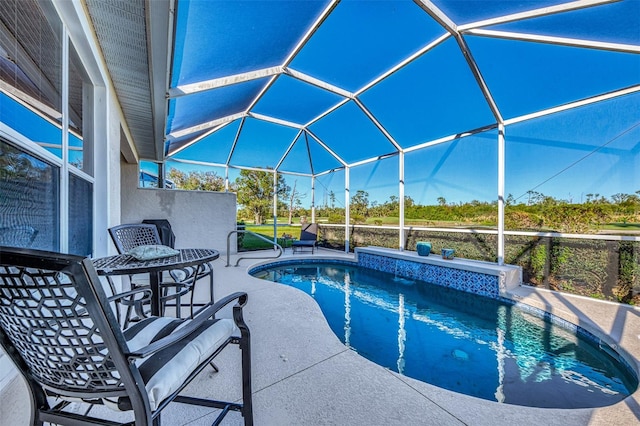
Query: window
(46, 163)
(29, 190)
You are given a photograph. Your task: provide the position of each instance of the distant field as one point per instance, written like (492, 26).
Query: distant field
(632, 228)
(283, 227)
(390, 221)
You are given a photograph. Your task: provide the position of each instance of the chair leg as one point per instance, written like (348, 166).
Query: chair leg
(212, 364)
(245, 348)
(215, 367)
(210, 288)
(127, 318)
(177, 301)
(192, 298)
(211, 284)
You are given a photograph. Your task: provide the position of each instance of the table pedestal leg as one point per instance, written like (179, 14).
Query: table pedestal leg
(156, 297)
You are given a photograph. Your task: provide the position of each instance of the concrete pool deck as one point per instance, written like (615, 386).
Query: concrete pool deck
(304, 375)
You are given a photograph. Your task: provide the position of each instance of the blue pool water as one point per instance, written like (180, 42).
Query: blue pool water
(459, 341)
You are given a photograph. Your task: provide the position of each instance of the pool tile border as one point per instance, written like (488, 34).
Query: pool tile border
(263, 267)
(452, 277)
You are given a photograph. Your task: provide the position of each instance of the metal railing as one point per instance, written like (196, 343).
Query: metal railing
(276, 246)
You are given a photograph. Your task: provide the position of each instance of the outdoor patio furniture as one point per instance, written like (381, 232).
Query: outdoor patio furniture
(308, 238)
(286, 240)
(123, 264)
(129, 236)
(57, 326)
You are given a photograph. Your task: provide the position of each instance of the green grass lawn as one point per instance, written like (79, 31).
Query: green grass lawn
(250, 242)
(622, 227)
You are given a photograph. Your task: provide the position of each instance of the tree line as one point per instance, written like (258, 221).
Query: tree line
(255, 191)
(534, 211)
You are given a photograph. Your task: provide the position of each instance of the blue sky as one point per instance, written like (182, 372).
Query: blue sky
(594, 149)
(590, 150)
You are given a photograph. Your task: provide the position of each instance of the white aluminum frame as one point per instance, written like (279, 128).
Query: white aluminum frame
(450, 29)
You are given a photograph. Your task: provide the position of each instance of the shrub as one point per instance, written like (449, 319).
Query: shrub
(336, 218)
(538, 260)
(240, 226)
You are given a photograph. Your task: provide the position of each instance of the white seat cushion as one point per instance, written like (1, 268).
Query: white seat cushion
(165, 371)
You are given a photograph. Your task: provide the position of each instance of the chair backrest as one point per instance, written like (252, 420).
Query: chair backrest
(130, 236)
(309, 232)
(57, 326)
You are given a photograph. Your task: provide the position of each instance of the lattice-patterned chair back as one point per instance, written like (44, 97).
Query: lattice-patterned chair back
(129, 236)
(58, 327)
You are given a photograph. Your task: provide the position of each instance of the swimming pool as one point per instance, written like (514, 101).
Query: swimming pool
(459, 341)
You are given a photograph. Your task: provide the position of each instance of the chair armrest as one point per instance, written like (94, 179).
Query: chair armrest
(207, 312)
(181, 289)
(127, 296)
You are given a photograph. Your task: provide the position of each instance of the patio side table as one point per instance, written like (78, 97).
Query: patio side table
(124, 264)
(287, 241)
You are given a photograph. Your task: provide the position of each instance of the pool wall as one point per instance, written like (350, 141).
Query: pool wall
(483, 278)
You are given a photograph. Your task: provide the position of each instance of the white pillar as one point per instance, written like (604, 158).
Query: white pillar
(401, 199)
(106, 162)
(313, 199)
(347, 215)
(275, 207)
(501, 166)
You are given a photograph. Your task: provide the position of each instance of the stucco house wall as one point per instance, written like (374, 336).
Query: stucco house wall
(199, 219)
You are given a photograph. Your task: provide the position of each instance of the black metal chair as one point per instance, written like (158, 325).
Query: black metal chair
(57, 326)
(129, 236)
(308, 238)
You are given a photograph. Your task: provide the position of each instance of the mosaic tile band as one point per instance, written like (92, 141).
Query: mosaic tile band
(472, 282)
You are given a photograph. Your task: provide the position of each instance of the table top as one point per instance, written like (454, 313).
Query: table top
(123, 264)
